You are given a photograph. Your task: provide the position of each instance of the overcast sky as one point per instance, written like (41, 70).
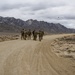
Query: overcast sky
(56, 11)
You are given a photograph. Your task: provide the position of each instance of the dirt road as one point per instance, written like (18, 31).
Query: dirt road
(30, 57)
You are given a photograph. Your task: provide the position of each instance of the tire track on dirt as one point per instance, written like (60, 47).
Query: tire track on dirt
(33, 58)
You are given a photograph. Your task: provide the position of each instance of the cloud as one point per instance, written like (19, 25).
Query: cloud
(7, 7)
(57, 11)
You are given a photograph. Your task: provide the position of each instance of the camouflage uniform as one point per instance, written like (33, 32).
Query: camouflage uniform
(25, 35)
(41, 33)
(34, 35)
(22, 34)
(40, 36)
(29, 34)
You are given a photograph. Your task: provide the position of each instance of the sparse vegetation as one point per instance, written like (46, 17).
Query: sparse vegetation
(65, 46)
(8, 37)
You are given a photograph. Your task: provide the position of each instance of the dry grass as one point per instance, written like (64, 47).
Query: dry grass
(8, 37)
(65, 46)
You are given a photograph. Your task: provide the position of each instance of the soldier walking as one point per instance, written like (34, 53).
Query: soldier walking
(25, 34)
(22, 34)
(34, 35)
(29, 34)
(41, 33)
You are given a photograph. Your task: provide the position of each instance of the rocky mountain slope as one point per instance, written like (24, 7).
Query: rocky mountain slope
(10, 24)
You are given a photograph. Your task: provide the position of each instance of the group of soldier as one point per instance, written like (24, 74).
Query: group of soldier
(27, 34)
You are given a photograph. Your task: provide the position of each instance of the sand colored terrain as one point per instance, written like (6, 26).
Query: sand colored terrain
(64, 47)
(20, 57)
(8, 37)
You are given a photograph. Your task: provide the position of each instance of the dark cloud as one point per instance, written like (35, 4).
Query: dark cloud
(31, 13)
(9, 7)
(59, 11)
(60, 17)
(12, 6)
(69, 17)
(33, 6)
(43, 6)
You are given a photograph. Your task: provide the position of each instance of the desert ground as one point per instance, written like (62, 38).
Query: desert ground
(28, 57)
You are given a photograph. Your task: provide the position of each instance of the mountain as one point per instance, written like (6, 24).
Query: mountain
(10, 24)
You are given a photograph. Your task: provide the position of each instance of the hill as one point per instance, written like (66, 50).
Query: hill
(11, 24)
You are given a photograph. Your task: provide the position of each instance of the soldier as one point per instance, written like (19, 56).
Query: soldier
(29, 34)
(22, 34)
(25, 34)
(41, 33)
(34, 35)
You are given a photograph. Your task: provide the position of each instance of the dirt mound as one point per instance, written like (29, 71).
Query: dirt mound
(8, 37)
(65, 46)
